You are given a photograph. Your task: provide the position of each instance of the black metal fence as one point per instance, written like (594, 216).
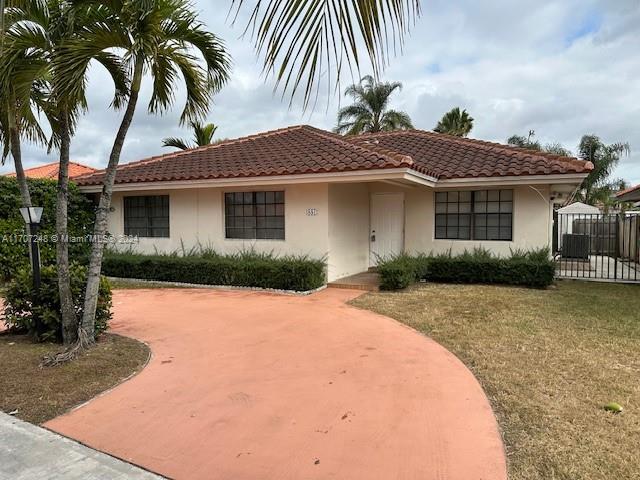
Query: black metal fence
(597, 246)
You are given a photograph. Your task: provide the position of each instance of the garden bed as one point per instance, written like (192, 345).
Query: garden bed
(38, 394)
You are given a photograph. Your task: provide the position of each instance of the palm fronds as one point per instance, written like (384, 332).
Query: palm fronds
(369, 112)
(304, 41)
(455, 122)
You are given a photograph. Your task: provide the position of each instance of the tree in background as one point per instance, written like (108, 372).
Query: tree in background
(530, 144)
(370, 113)
(202, 136)
(455, 122)
(598, 187)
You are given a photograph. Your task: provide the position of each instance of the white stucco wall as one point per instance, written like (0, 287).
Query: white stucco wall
(339, 229)
(196, 216)
(531, 221)
(348, 229)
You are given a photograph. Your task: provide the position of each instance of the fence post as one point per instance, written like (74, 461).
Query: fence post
(617, 249)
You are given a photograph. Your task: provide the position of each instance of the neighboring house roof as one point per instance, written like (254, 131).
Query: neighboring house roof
(50, 170)
(578, 208)
(308, 150)
(630, 194)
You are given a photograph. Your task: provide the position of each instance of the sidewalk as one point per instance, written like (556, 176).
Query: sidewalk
(28, 452)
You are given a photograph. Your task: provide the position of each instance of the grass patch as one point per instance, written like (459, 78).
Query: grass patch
(40, 394)
(549, 360)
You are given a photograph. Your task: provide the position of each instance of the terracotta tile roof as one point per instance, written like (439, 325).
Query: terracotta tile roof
(304, 149)
(628, 191)
(292, 150)
(446, 157)
(50, 170)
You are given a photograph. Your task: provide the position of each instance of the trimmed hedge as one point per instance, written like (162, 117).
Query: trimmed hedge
(14, 249)
(241, 270)
(532, 269)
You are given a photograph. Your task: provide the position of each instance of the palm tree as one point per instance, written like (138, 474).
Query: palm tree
(312, 40)
(605, 159)
(35, 39)
(527, 142)
(202, 135)
(369, 112)
(159, 38)
(455, 122)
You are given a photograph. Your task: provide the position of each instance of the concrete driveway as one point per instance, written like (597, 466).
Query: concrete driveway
(246, 385)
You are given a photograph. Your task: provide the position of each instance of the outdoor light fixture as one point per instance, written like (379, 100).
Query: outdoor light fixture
(32, 217)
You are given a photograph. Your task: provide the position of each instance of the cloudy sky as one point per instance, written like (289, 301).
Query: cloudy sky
(562, 68)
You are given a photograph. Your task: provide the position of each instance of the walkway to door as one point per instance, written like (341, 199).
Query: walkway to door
(367, 281)
(247, 385)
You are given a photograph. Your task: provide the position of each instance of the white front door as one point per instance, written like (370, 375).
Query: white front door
(387, 226)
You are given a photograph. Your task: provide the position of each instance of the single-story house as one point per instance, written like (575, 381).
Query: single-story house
(629, 195)
(353, 200)
(50, 170)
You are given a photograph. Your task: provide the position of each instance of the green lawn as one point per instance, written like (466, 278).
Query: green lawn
(548, 360)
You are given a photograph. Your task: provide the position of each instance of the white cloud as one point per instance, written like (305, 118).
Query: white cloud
(563, 68)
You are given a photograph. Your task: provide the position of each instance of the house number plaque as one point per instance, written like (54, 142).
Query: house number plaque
(312, 212)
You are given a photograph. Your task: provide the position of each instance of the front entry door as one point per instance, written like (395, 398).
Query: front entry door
(387, 226)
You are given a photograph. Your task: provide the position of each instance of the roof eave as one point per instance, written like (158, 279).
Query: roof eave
(564, 178)
(329, 177)
(403, 174)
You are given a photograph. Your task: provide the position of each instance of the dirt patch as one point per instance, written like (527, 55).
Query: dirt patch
(39, 394)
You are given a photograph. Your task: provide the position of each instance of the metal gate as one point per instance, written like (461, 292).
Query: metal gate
(597, 246)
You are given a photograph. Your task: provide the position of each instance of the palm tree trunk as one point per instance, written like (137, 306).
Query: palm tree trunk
(69, 319)
(16, 153)
(102, 213)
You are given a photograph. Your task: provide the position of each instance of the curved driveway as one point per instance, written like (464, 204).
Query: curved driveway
(247, 385)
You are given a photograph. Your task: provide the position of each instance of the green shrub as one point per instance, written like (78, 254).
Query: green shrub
(403, 270)
(246, 269)
(22, 305)
(14, 251)
(531, 268)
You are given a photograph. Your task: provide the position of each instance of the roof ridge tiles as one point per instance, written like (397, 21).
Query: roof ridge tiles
(487, 144)
(389, 154)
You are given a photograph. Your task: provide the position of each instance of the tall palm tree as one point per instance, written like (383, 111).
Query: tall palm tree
(369, 113)
(455, 122)
(159, 38)
(202, 135)
(38, 32)
(605, 159)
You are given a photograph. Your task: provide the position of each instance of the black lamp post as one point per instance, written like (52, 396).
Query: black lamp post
(32, 217)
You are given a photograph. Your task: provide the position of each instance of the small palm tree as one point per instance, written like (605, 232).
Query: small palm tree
(369, 112)
(455, 122)
(605, 159)
(202, 135)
